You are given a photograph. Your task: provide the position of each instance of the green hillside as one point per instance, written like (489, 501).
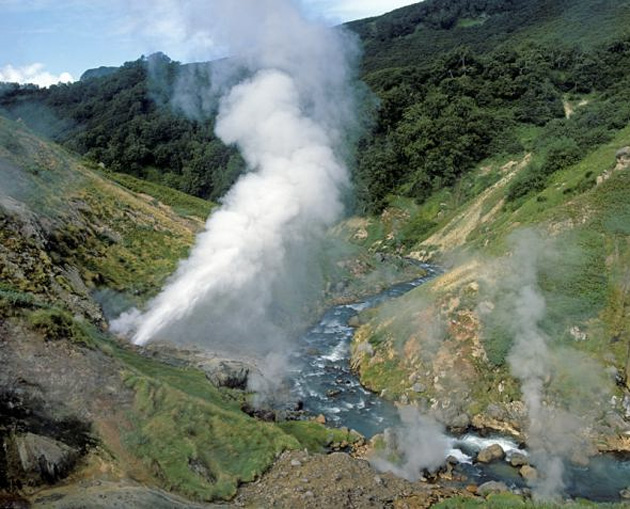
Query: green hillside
(77, 243)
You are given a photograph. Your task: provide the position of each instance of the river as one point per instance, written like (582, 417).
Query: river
(323, 381)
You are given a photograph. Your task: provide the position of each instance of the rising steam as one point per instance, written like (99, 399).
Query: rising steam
(556, 425)
(250, 267)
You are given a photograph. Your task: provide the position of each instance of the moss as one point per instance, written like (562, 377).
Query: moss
(57, 324)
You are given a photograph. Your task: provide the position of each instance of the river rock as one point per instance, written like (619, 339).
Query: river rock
(492, 487)
(36, 459)
(491, 453)
(518, 460)
(528, 473)
(625, 494)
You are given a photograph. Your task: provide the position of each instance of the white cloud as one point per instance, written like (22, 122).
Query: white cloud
(33, 73)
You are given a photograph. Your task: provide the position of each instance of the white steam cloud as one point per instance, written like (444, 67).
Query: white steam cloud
(554, 432)
(33, 73)
(419, 444)
(248, 271)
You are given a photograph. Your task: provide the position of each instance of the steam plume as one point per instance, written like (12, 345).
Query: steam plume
(418, 444)
(553, 432)
(250, 266)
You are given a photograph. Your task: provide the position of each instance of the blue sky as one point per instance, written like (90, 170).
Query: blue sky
(46, 41)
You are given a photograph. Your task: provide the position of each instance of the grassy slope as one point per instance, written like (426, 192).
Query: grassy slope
(586, 287)
(68, 230)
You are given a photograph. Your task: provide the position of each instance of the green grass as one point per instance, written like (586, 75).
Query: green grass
(183, 204)
(509, 501)
(315, 437)
(191, 436)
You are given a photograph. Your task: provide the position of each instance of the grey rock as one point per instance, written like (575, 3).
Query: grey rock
(518, 460)
(226, 373)
(492, 487)
(625, 494)
(460, 422)
(37, 459)
(418, 387)
(623, 153)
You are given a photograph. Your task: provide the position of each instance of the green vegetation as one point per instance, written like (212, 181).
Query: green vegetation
(123, 120)
(509, 501)
(183, 204)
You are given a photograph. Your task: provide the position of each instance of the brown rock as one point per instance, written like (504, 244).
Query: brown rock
(492, 453)
(528, 473)
(321, 419)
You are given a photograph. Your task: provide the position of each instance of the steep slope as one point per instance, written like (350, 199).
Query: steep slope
(74, 402)
(415, 34)
(456, 338)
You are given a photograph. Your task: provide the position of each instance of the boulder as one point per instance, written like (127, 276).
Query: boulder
(623, 153)
(528, 473)
(625, 494)
(491, 453)
(518, 460)
(36, 459)
(226, 373)
(492, 487)
(460, 422)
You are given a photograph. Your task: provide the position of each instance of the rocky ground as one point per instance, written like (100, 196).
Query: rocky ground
(300, 479)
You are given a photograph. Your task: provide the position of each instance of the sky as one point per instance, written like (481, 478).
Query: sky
(48, 41)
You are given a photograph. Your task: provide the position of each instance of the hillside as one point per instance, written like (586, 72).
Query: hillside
(78, 245)
(495, 146)
(456, 338)
(415, 34)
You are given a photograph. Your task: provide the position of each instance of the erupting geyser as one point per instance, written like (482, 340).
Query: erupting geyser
(289, 118)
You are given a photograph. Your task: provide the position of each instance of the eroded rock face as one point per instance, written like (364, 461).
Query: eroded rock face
(35, 459)
(227, 373)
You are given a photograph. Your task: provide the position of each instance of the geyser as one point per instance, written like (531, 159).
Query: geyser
(289, 118)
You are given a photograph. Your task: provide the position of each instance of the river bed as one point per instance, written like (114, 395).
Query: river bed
(323, 381)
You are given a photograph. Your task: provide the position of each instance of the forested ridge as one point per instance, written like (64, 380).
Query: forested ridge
(456, 82)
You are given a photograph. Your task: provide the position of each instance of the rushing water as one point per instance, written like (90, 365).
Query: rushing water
(325, 384)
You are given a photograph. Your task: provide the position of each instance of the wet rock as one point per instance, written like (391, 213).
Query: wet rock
(528, 473)
(35, 459)
(518, 460)
(491, 453)
(492, 487)
(625, 494)
(331, 393)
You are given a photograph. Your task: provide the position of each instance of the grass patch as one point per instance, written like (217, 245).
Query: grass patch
(315, 437)
(193, 437)
(182, 204)
(508, 501)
